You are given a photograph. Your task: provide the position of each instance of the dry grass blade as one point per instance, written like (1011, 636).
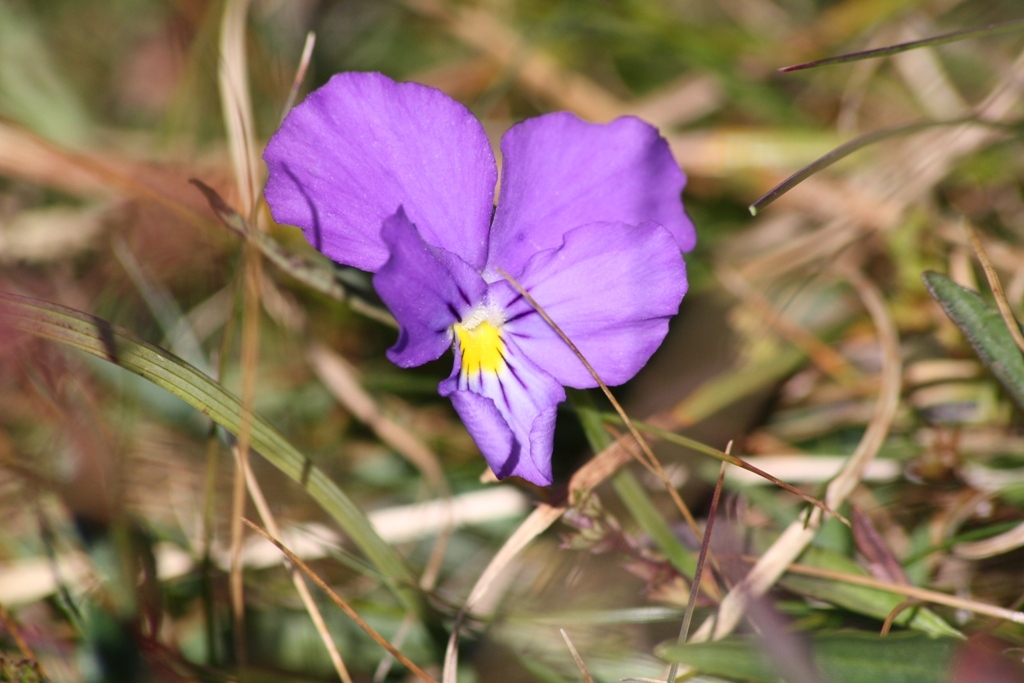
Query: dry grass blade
(713, 591)
(300, 73)
(675, 104)
(922, 594)
(576, 657)
(889, 395)
(848, 148)
(881, 194)
(535, 70)
(821, 354)
(534, 525)
(997, 287)
(26, 157)
(238, 121)
(964, 34)
(267, 516)
(736, 461)
(990, 547)
(799, 534)
(705, 543)
(15, 632)
(651, 461)
(345, 607)
(340, 379)
(236, 102)
(928, 80)
(308, 272)
(637, 456)
(252, 275)
(874, 549)
(896, 612)
(599, 468)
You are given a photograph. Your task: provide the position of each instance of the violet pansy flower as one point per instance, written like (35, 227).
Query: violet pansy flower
(399, 180)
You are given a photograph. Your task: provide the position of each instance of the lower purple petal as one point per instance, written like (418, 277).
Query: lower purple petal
(427, 290)
(610, 287)
(510, 414)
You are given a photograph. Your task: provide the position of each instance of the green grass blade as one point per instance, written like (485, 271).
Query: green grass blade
(872, 602)
(631, 492)
(109, 342)
(651, 520)
(984, 329)
(842, 657)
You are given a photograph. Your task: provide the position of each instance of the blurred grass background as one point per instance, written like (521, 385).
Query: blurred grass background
(807, 337)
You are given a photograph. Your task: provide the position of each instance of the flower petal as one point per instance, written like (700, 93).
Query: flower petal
(560, 173)
(510, 413)
(427, 289)
(360, 146)
(610, 287)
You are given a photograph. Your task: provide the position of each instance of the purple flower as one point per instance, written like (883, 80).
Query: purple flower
(398, 179)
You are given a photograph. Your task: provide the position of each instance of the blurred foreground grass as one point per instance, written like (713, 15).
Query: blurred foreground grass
(808, 339)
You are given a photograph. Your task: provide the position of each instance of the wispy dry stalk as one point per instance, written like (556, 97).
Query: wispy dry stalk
(598, 469)
(792, 542)
(260, 501)
(345, 607)
(236, 103)
(997, 287)
(14, 631)
(698, 575)
(300, 73)
(576, 657)
(478, 27)
(238, 119)
(828, 360)
(342, 381)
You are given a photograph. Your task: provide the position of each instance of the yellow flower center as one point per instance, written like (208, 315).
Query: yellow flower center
(482, 347)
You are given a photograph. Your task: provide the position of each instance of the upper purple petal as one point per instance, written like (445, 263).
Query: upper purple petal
(510, 414)
(427, 289)
(361, 146)
(560, 173)
(611, 288)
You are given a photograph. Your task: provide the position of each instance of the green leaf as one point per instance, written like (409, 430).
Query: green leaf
(984, 329)
(872, 602)
(841, 657)
(116, 345)
(651, 520)
(631, 492)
